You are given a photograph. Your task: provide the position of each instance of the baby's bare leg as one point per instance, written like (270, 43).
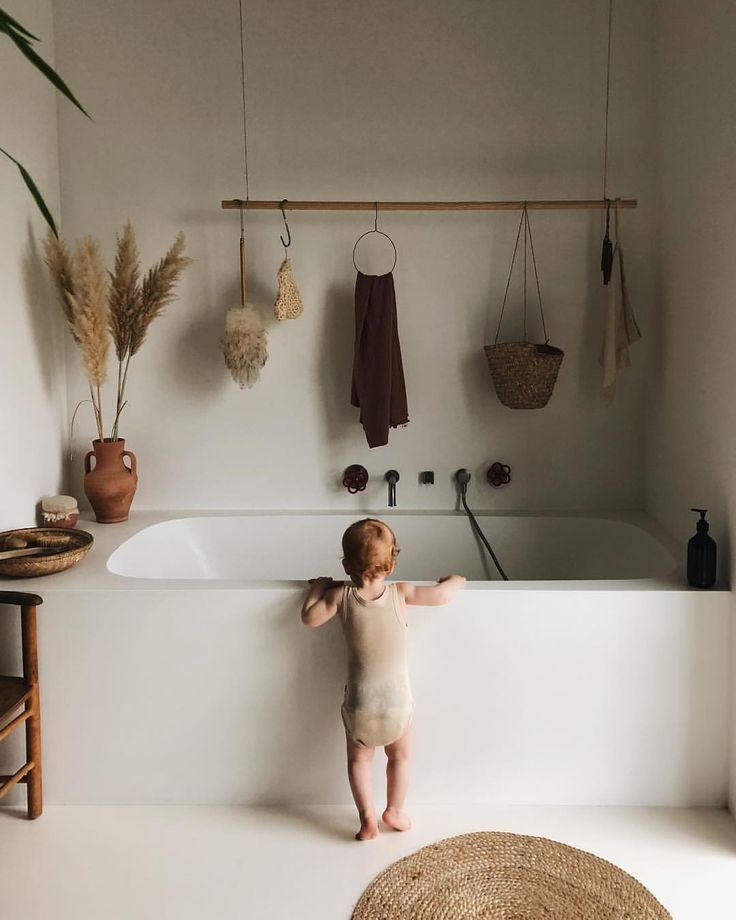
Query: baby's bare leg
(397, 782)
(360, 775)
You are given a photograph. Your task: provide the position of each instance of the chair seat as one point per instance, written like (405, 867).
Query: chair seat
(13, 692)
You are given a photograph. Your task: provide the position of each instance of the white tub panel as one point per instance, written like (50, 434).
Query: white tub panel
(587, 697)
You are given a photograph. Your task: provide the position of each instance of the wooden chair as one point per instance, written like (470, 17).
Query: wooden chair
(23, 691)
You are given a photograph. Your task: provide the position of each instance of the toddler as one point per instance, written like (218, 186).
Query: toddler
(377, 707)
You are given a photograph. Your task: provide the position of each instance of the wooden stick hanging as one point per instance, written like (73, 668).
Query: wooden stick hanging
(243, 277)
(235, 204)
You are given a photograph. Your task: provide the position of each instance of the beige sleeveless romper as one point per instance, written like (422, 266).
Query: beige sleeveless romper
(378, 704)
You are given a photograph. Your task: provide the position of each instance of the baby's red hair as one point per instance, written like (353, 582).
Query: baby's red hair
(369, 550)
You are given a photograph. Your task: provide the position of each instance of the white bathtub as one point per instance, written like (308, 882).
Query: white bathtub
(294, 547)
(180, 670)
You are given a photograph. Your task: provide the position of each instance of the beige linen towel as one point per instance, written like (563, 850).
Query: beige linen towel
(621, 328)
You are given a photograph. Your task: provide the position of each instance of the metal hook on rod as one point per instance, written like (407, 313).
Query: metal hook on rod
(284, 243)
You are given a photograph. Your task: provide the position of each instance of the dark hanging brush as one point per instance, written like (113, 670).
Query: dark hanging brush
(607, 250)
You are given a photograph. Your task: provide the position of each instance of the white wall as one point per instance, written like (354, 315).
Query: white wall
(32, 388)
(691, 443)
(498, 99)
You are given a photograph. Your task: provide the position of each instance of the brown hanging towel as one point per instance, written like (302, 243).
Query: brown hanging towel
(378, 388)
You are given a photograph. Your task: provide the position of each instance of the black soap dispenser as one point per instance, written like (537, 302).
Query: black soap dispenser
(701, 555)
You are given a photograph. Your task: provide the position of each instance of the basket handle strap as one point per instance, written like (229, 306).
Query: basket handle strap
(508, 281)
(536, 276)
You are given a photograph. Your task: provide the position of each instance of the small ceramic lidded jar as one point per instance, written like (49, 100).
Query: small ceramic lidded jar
(60, 511)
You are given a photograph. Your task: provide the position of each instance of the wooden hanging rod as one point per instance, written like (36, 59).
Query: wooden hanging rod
(236, 204)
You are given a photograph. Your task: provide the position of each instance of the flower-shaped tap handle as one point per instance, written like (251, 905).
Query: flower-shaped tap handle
(355, 478)
(499, 474)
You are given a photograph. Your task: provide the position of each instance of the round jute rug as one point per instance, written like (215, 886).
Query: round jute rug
(500, 876)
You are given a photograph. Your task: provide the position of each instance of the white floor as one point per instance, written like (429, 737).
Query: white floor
(223, 863)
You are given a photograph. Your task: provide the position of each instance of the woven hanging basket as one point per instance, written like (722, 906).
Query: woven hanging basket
(523, 373)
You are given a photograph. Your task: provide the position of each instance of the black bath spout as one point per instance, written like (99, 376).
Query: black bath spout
(392, 477)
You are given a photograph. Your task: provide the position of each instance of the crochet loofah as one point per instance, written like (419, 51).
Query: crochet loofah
(244, 345)
(288, 301)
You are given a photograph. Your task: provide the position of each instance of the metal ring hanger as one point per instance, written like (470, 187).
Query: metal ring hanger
(381, 233)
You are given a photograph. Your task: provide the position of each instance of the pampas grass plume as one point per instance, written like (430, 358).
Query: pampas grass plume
(94, 318)
(125, 292)
(244, 345)
(157, 291)
(89, 304)
(60, 265)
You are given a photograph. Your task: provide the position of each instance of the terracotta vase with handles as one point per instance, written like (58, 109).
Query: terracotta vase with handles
(110, 483)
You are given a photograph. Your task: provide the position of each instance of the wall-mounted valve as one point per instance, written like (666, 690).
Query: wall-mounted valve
(499, 474)
(355, 478)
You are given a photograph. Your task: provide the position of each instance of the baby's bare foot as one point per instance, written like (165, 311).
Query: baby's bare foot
(368, 828)
(397, 819)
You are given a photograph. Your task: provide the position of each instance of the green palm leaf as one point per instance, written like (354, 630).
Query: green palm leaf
(7, 23)
(21, 38)
(23, 45)
(33, 189)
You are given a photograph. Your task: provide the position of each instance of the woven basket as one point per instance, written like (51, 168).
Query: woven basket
(78, 543)
(523, 374)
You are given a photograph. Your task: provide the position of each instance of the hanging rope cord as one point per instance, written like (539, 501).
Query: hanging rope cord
(528, 240)
(245, 111)
(607, 247)
(608, 100)
(243, 275)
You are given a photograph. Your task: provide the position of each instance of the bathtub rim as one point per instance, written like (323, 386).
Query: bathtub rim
(93, 574)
